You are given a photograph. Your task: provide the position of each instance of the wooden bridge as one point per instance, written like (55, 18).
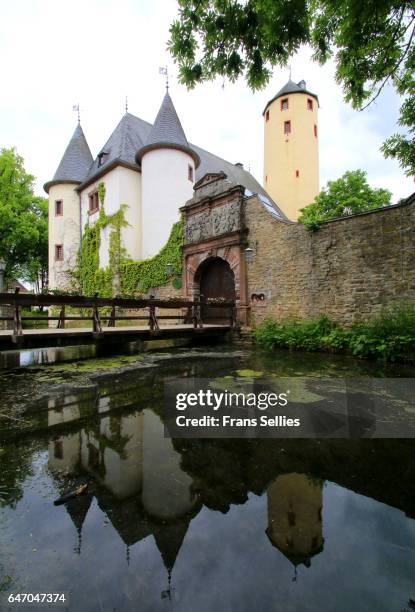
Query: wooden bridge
(193, 319)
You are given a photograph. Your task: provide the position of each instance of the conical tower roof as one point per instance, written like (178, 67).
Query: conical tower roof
(291, 88)
(167, 132)
(75, 162)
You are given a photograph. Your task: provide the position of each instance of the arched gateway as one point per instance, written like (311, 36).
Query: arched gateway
(215, 279)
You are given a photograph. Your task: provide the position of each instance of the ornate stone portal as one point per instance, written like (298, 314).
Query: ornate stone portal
(214, 228)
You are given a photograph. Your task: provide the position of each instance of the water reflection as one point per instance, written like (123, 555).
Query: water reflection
(138, 481)
(295, 504)
(44, 356)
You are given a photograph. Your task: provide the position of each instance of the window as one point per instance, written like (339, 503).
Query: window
(315, 130)
(58, 208)
(284, 104)
(297, 173)
(266, 177)
(93, 202)
(58, 252)
(309, 104)
(190, 172)
(102, 158)
(287, 127)
(267, 116)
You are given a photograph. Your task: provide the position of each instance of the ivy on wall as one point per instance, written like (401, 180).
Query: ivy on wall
(123, 276)
(142, 275)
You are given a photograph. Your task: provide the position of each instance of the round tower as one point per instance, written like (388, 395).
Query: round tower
(168, 169)
(64, 209)
(291, 174)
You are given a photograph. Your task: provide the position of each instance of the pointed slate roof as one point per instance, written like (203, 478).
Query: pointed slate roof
(75, 162)
(121, 147)
(291, 88)
(133, 133)
(167, 132)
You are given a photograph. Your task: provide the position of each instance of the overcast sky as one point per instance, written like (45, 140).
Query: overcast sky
(57, 53)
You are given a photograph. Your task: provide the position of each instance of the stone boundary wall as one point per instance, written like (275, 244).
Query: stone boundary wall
(349, 269)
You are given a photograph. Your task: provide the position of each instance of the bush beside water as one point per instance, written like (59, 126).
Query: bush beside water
(390, 336)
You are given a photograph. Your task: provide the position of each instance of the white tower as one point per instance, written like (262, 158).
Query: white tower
(64, 209)
(168, 166)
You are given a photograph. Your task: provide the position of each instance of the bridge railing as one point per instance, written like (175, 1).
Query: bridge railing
(191, 309)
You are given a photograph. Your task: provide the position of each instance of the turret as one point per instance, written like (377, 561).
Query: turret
(168, 167)
(64, 209)
(291, 175)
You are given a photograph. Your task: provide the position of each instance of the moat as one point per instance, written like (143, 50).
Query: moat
(300, 524)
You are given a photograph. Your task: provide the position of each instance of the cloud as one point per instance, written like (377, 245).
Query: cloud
(97, 52)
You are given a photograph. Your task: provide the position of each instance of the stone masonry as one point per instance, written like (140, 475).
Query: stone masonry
(349, 269)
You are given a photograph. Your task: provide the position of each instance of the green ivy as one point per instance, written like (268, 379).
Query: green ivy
(142, 275)
(134, 277)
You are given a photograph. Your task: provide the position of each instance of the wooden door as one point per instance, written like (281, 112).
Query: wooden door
(216, 281)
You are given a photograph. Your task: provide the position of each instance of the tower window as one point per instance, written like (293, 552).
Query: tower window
(190, 172)
(284, 104)
(315, 130)
(267, 116)
(58, 208)
(309, 104)
(297, 173)
(58, 252)
(287, 127)
(93, 202)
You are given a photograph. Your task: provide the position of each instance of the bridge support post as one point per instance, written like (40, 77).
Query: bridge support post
(111, 320)
(17, 316)
(152, 321)
(61, 322)
(96, 321)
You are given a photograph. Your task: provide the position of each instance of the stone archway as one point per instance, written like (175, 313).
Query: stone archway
(214, 278)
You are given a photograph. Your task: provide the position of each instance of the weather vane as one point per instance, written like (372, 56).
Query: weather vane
(126, 104)
(164, 70)
(76, 108)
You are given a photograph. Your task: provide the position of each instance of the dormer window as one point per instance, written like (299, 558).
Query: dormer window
(284, 104)
(102, 158)
(309, 104)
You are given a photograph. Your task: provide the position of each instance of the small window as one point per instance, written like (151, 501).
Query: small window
(102, 158)
(93, 202)
(58, 252)
(315, 130)
(297, 173)
(284, 104)
(309, 104)
(58, 208)
(190, 172)
(266, 177)
(287, 127)
(267, 116)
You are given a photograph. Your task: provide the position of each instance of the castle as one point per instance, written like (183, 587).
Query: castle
(240, 239)
(153, 169)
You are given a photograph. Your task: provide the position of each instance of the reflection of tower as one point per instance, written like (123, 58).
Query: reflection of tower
(294, 517)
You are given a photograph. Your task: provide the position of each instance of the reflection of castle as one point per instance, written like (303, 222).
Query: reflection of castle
(294, 517)
(140, 485)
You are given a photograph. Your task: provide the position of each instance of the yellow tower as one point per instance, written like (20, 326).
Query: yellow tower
(291, 148)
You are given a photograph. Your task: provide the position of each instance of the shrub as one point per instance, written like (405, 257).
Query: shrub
(390, 336)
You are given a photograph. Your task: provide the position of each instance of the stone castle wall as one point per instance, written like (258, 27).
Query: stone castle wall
(349, 269)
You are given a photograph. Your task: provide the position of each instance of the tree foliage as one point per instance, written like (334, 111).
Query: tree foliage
(372, 43)
(23, 222)
(348, 195)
